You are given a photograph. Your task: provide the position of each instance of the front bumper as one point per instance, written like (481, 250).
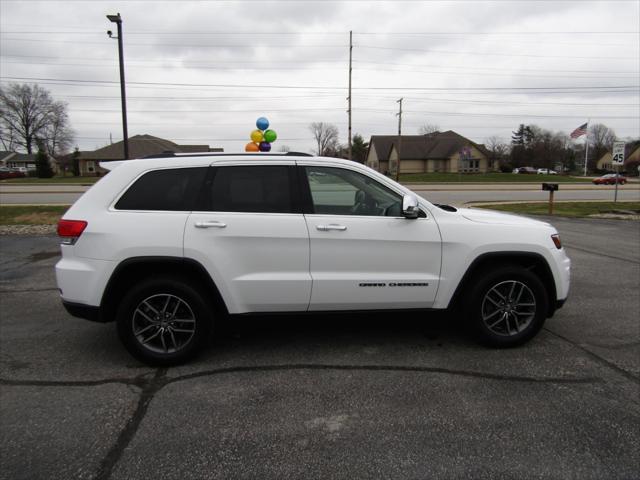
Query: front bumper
(80, 310)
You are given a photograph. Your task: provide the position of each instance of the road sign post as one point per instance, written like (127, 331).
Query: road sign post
(617, 159)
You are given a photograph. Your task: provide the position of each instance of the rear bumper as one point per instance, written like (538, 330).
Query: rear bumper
(80, 310)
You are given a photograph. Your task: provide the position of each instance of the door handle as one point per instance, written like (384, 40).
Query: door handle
(332, 226)
(210, 224)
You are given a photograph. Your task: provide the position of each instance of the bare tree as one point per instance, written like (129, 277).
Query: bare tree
(7, 138)
(428, 128)
(326, 137)
(601, 138)
(496, 146)
(284, 148)
(58, 136)
(29, 116)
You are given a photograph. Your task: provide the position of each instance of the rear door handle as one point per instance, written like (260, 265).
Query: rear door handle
(210, 224)
(332, 226)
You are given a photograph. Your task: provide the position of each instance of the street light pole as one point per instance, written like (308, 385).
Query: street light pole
(117, 19)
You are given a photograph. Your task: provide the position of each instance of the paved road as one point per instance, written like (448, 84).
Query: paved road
(396, 396)
(460, 195)
(439, 193)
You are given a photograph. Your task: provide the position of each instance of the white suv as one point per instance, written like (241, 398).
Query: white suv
(164, 246)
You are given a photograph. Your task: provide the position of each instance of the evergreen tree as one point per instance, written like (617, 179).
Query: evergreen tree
(359, 149)
(43, 167)
(76, 162)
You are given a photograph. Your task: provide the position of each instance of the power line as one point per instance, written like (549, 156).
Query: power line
(304, 32)
(330, 87)
(289, 45)
(464, 68)
(132, 65)
(200, 45)
(336, 95)
(453, 52)
(372, 110)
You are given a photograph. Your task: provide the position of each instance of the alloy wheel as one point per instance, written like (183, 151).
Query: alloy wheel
(163, 323)
(508, 308)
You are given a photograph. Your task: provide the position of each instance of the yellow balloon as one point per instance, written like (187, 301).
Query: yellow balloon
(257, 136)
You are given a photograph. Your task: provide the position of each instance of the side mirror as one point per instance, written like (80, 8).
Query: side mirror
(410, 206)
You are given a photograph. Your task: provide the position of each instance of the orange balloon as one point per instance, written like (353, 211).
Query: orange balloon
(251, 147)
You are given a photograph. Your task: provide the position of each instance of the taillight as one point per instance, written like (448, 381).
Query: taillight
(70, 230)
(556, 241)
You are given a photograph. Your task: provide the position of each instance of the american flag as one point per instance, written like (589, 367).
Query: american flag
(581, 130)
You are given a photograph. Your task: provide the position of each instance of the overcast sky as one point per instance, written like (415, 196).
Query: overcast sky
(203, 71)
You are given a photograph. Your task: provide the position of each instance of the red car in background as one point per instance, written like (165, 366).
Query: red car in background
(6, 173)
(610, 179)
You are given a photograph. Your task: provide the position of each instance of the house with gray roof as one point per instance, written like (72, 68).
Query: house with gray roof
(140, 146)
(434, 152)
(23, 160)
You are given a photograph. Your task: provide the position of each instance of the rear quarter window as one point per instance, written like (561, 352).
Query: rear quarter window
(252, 189)
(172, 189)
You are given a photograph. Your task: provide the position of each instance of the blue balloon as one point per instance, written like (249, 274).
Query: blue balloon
(262, 123)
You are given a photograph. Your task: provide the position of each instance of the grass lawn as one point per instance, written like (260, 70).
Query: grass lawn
(565, 209)
(54, 180)
(489, 178)
(31, 215)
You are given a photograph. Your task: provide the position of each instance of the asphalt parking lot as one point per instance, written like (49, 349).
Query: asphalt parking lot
(396, 396)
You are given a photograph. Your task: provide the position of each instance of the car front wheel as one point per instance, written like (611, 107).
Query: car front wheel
(508, 306)
(164, 321)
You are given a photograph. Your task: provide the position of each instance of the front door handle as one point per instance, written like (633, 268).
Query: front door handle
(332, 226)
(211, 224)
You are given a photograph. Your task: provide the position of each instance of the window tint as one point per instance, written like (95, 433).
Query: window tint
(171, 189)
(337, 191)
(251, 189)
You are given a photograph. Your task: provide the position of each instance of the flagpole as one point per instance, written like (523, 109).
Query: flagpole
(586, 150)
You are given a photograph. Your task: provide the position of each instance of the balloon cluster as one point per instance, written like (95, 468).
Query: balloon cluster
(261, 138)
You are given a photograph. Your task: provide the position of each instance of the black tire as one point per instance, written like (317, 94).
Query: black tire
(506, 322)
(178, 338)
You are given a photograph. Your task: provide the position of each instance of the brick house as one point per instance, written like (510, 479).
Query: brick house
(139, 146)
(435, 152)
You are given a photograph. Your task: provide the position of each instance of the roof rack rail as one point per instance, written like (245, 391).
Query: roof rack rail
(299, 154)
(161, 155)
(218, 154)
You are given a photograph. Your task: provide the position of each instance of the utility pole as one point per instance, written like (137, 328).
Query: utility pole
(117, 19)
(399, 114)
(349, 97)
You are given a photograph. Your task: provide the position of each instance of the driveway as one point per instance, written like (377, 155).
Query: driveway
(368, 396)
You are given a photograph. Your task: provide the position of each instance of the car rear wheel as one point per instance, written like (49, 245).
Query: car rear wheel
(164, 321)
(508, 306)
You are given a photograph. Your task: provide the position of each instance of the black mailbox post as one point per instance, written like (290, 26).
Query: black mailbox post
(550, 187)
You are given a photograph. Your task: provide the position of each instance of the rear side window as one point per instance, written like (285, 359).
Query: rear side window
(170, 189)
(265, 189)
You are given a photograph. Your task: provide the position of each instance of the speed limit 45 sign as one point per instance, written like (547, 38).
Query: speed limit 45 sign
(618, 154)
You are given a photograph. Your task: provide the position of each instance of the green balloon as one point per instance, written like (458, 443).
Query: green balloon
(270, 136)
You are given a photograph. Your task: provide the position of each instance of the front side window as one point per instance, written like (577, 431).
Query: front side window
(337, 191)
(264, 189)
(172, 189)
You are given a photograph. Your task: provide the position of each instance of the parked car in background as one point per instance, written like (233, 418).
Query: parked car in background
(6, 173)
(610, 179)
(546, 171)
(528, 170)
